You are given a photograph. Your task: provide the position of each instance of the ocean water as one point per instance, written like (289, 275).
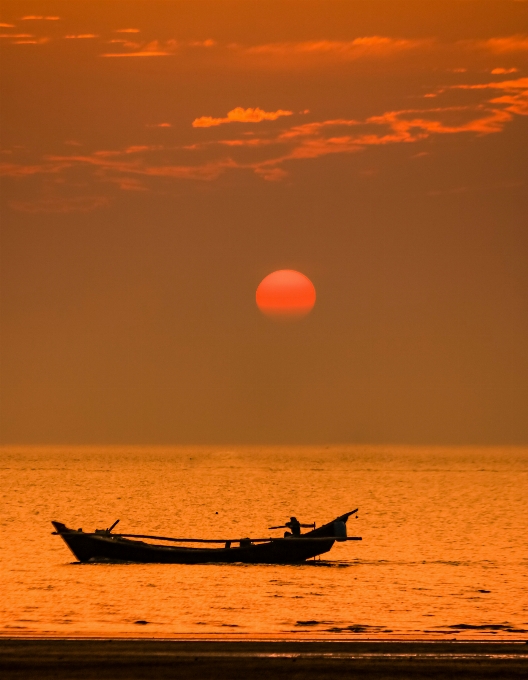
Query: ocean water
(444, 550)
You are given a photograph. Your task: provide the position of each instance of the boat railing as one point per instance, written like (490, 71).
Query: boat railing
(242, 541)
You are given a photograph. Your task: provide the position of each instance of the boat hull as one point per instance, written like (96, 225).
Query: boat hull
(105, 547)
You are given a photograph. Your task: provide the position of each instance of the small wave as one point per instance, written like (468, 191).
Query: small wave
(491, 628)
(312, 622)
(358, 628)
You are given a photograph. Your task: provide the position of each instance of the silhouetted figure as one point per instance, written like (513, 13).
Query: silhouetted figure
(295, 527)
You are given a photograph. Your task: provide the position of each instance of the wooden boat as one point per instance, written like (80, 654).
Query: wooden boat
(104, 546)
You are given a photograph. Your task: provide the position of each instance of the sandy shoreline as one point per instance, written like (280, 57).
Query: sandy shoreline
(134, 659)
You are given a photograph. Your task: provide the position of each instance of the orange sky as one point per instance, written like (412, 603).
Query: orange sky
(160, 158)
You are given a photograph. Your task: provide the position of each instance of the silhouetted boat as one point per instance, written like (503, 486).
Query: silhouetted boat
(103, 546)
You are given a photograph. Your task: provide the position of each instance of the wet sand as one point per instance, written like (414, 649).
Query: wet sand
(215, 660)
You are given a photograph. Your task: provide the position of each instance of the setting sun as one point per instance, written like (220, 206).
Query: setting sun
(285, 294)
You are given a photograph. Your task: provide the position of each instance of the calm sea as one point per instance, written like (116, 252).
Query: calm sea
(444, 550)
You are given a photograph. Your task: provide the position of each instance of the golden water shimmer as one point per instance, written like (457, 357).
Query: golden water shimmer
(443, 551)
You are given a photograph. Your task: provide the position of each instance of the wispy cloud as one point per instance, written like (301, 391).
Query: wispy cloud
(23, 39)
(129, 44)
(21, 170)
(281, 54)
(374, 45)
(151, 49)
(81, 36)
(240, 115)
(512, 43)
(34, 17)
(517, 84)
(503, 71)
(113, 165)
(154, 48)
(515, 99)
(36, 41)
(203, 43)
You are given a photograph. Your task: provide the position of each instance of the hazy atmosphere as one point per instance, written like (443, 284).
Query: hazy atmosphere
(160, 159)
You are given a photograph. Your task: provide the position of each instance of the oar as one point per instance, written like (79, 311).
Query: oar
(287, 526)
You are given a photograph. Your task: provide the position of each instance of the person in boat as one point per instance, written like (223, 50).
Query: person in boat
(295, 527)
